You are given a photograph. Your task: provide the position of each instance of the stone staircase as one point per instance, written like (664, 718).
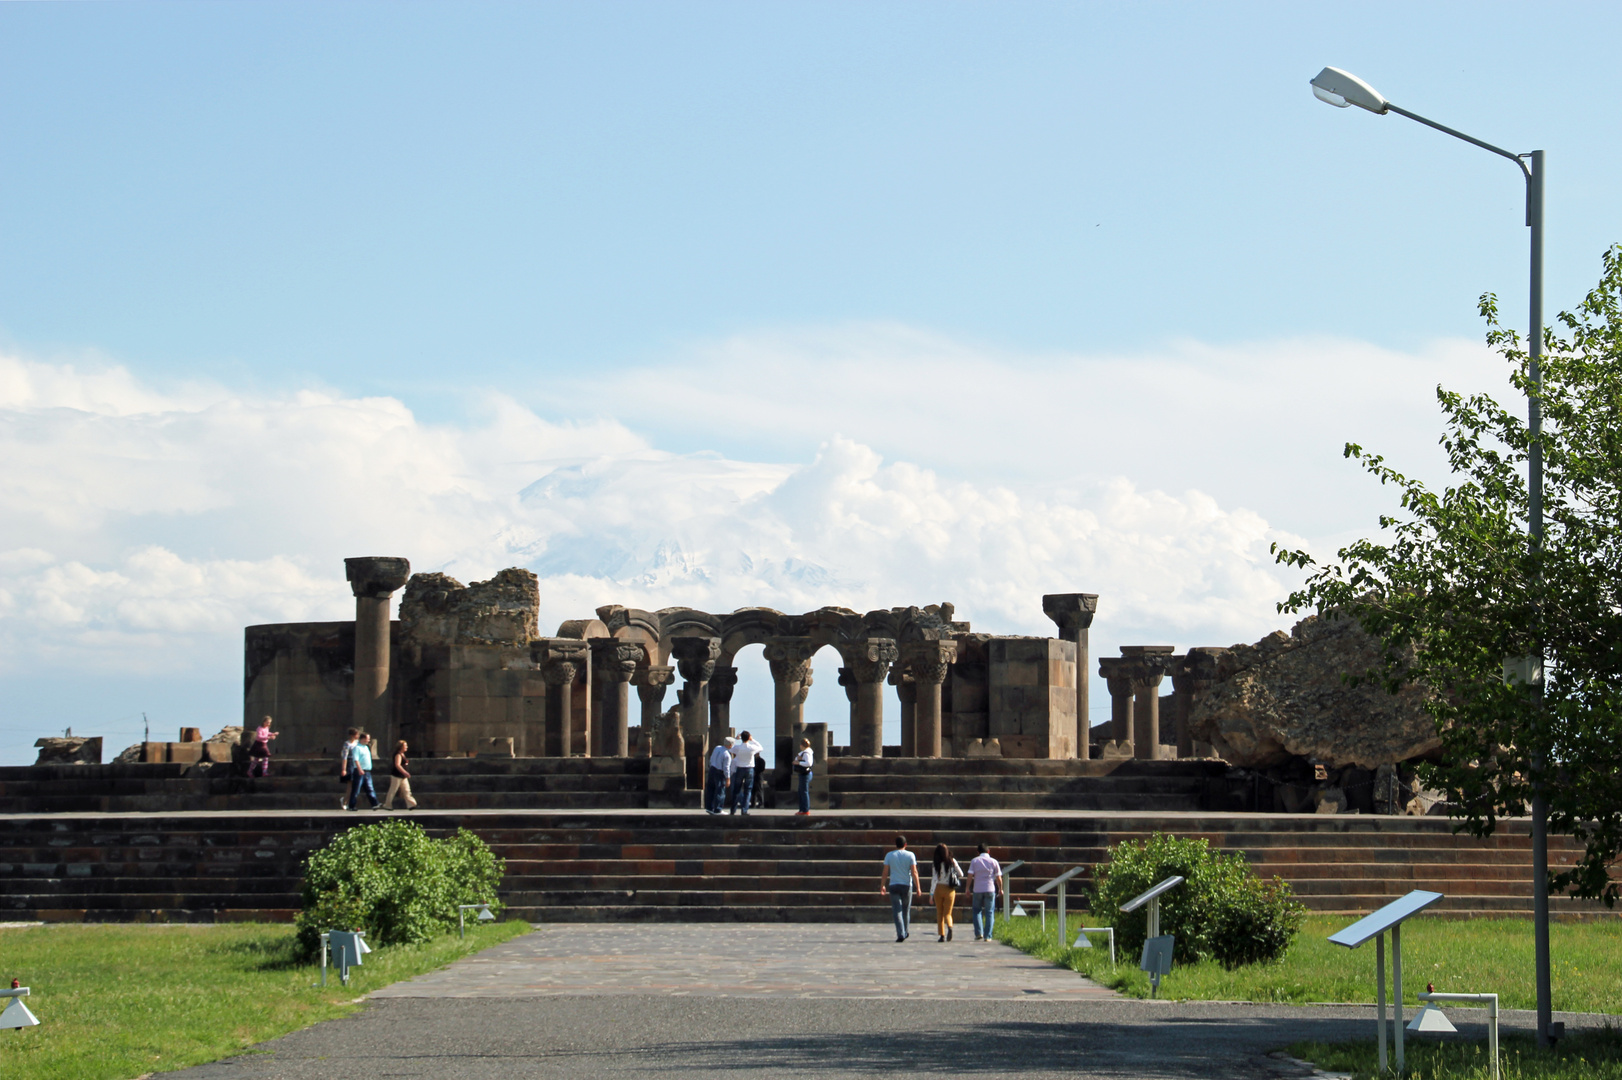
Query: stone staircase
(684, 866)
(1031, 784)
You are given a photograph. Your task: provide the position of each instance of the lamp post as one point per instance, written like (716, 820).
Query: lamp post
(1343, 89)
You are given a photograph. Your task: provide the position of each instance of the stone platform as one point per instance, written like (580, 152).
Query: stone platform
(603, 783)
(653, 866)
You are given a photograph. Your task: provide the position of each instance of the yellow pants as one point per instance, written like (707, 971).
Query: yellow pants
(399, 785)
(944, 899)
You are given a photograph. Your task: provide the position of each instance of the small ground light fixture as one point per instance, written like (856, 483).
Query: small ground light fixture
(485, 915)
(16, 1014)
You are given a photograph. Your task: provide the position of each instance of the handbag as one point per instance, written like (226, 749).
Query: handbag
(954, 877)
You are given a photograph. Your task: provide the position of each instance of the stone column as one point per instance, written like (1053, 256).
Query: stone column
(928, 662)
(1073, 613)
(1192, 679)
(695, 659)
(650, 683)
(564, 658)
(906, 688)
(615, 663)
(373, 580)
(790, 660)
(722, 683)
(869, 665)
(1146, 665)
(1114, 672)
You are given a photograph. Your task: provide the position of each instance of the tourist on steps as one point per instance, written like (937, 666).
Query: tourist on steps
(360, 773)
(745, 751)
(944, 881)
(351, 737)
(400, 778)
(900, 881)
(802, 768)
(985, 879)
(259, 752)
(720, 772)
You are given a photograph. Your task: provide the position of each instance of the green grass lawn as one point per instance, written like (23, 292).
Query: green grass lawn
(1458, 955)
(118, 1001)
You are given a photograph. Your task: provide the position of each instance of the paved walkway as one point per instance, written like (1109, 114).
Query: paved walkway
(749, 960)
(616, 1002)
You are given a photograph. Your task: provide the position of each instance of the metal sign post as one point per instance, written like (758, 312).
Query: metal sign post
(1157, 949)
(1008, 888)
(461, 916)
(1375, 926)
(1059, 883)
(349, 947)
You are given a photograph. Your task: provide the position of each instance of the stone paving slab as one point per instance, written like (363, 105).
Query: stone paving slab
(754, 960)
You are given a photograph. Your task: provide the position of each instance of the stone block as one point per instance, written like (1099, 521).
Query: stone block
(1115, 750)
(496, 748)
(155, 752)
(184, 753)
(982, 748)
(190, 734)
(71, 750)
(219, 751)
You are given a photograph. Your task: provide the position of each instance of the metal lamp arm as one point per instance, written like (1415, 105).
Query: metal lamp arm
(1518, 159)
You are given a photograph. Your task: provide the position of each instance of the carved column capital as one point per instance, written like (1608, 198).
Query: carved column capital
(929, 661)
(869, 661)
(696, 657)
(1146, 665)
(906, 687)
(722, 682)
(1198, 670)
(561, 660)
(1071, 612)
(616, 660)
(376, 575)
(1113, 670)
(654, 675)
(790, 658)
(847, 679)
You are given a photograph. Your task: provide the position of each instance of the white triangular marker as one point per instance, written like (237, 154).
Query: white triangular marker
(16, 1015)
(1082, 942)
(1019, 911)
(1431, 1018)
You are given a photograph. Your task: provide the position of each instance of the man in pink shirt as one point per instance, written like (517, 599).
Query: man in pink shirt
(985, 881)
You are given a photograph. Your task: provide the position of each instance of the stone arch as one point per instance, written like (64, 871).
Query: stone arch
(748, 626)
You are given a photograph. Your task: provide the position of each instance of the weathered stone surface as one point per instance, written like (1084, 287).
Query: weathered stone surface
(69, 751)
(1286, 696)
(436, 609)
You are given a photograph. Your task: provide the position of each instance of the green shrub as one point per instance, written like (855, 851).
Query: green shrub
(1222, 911)
(394, 881)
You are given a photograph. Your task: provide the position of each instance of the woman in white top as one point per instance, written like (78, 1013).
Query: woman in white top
(945, 879)
(802, 768)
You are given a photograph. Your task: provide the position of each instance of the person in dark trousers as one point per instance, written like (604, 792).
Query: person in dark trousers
(803, 762)
(744, 754)
(899, 881)
(351, 737)
(259, 752)
(360, 773)
(719, 772)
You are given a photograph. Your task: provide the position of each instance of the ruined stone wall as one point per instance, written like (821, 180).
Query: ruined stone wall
(302, 674)
(1031, 692)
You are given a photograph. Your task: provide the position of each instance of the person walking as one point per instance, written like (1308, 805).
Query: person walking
(400, 778)
(259, 752)
(720, 771)
(745, 751)
(360, 772)
(985, 881)
(945, 879)
(351, 737)
(803, 762)
(899, 881)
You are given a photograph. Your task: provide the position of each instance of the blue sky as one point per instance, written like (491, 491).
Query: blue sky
(1031, 250)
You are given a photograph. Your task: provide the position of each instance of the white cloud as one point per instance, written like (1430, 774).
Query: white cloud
(142, 528)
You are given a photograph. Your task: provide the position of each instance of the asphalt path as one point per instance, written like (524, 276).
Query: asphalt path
(666, 1001)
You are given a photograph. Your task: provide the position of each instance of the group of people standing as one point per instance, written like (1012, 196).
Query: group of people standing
(355, 772)
(737, 773)
(983, 880)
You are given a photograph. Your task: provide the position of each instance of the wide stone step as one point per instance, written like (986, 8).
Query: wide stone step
(879, 801)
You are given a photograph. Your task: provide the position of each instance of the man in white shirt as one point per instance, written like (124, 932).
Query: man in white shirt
(720, 772)
(900, 881)
(360, 772)
(985, 879)
(744, 752)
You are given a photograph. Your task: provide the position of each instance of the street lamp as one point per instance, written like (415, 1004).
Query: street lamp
(1343, 90)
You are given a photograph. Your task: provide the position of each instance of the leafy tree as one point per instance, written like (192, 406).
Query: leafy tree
(1454, 587)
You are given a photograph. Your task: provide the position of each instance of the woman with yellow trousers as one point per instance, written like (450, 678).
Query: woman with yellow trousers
(945, 879)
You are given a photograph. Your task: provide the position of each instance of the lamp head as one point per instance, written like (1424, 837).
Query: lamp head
(484, 914)
(1342, 89)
